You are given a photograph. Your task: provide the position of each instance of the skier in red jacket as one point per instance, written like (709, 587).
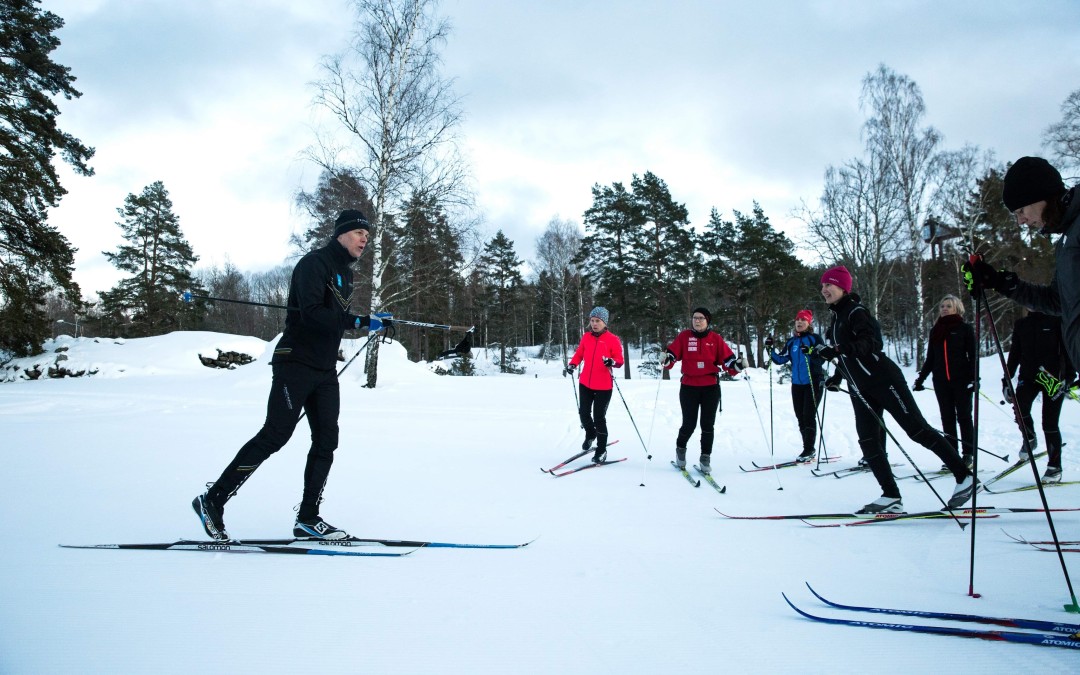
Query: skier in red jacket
(703, 354)
(598, 352)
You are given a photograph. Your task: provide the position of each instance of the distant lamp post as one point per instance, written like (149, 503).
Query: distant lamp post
(76, 324)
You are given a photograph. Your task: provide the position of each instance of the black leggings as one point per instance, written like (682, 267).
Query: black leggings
(805, 398)
(692, 399)
(295, 389)
(1051, 412)
(954, 404)
(593, 413)
(889, 392)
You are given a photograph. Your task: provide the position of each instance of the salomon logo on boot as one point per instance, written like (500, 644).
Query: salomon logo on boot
(317, 528)
(211, 515)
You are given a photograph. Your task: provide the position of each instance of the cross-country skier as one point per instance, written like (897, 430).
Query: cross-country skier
(807, 377)
(304, 380)
(856, 346)
(703, 354)
(1034, 192)
(1038, 350)
(950, 358)
(598, 352)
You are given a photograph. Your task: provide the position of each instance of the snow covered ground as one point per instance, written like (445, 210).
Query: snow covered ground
(633, 570)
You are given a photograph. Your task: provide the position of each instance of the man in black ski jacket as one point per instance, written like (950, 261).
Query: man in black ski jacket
(304, 379)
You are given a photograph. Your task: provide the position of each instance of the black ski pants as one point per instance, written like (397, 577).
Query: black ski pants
(954, 404)
(805, 399)
(885, 391)
(593, 413)
(693, 400)
(1026, 392)
(295, 389)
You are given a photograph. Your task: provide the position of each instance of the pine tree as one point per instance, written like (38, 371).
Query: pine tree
(500, 269)
(612, 226)
(755, 274)
(424, 274)
(159, 260)
(34, 257)
(663, 259)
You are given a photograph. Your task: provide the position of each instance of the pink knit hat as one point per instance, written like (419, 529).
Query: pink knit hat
(838, 276)
(806, 315)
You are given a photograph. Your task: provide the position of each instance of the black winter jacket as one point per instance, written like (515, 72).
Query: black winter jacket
(320, 293)
(857, 336)
(950, 354)
(1037, 341)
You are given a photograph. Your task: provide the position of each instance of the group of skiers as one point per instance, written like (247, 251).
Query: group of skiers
(1041, 345)
(320, 295)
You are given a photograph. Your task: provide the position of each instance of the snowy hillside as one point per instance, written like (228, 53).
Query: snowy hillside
(632, 571)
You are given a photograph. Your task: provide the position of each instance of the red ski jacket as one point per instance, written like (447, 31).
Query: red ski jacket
(702, 357)
(591, 351)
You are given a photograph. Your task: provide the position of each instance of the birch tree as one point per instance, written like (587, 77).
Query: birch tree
(908, 152)
(396, 119)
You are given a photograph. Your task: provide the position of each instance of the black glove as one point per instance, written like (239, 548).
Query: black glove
(826, 352)
(1006, 391)
(832, 383)
(980, 275)
(918, 386)
(669, 360)
(569, 369)
(609, 362)
(970, 388)
(357, 322)
(769, 341)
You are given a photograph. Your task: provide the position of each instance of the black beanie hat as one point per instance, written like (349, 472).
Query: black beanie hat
(706, 313)
(1030, 180)
(349, 220)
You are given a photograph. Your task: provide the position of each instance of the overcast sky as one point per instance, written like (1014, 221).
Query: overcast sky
(727, 101)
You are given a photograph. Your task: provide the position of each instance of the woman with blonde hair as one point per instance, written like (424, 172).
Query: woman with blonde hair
(950, 358)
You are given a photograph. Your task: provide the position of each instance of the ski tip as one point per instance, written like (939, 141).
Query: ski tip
(1073, 608)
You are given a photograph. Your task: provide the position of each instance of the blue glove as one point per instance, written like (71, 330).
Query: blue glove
(379, 321)
(186, 296)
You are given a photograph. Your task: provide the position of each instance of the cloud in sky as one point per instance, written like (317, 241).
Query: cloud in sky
(728, 102)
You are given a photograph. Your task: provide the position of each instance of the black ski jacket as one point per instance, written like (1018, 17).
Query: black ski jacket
(1037, 341)
(320, 293)
(857, 336)
(950, 354)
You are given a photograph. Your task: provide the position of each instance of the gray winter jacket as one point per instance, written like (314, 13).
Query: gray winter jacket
(1062, 296)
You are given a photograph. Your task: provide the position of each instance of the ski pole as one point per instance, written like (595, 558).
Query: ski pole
(188, 296)
(1074, 607)
(643, 446)
(761, 423)
(772, 437)
(813, 399)
(975, 442)
(652, 420)
(577, 403)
